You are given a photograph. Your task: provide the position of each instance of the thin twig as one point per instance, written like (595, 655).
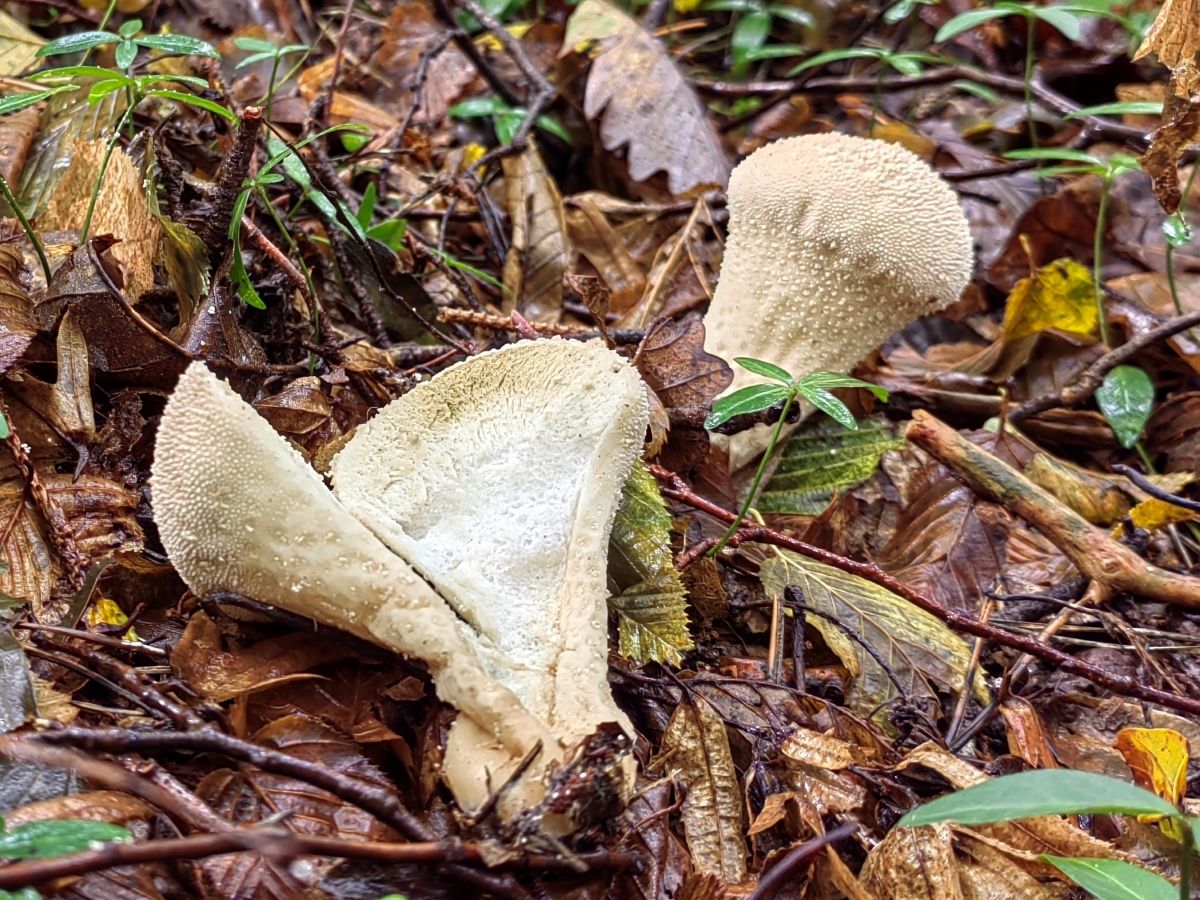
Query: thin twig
(676, 488)
(783, 872)
(1154, 490)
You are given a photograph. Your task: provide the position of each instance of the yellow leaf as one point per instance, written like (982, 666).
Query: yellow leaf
(490, 42)
(1058, 295)
(472, 153)
(1158, 758)
(106, 612)
(685, 6)
(1154, 514)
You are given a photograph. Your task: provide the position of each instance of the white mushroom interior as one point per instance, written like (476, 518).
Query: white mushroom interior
(499, 480)
(835, 243)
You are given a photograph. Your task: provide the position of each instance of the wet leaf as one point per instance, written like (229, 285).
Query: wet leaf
(673, 362)
(1112, 879)
(652, 610)
(1059, 295)
(695, 744)
(1158, 758)
(1126, 397)
(922, 654)
(540, 253)
(38, 840)
(822, 459)
(17, 703)
(644, 102)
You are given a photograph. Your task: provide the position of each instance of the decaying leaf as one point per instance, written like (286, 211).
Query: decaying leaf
(1158, 758)
(539, 254)
(66, 404)
(121, 211)
(696, 745)
(18, 46)
(17, 704)
(651, 606)
(822, 459)
(1175, 33)
(1059, 295)
(920, 652)
(18, 325)
(1098, 499)
(672, 360)
(645, 102)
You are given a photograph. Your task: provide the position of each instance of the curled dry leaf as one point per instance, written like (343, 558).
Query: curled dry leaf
(18, 325)
(66, 404)
(540, 253)
(696, 745)
(644, 102)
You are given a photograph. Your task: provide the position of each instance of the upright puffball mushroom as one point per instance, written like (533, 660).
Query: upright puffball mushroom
(498, 480)
(835, 243)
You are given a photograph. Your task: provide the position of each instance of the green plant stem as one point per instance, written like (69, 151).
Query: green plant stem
(1030, 59)
(1185, 860)
(29, 232)
(1187, 191)
(758, 475)
(108, 151)
(1098, 259)
(271, 87)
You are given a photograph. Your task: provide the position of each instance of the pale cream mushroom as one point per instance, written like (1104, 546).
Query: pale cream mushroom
(499, 481)
(505, 472)
(835, 244)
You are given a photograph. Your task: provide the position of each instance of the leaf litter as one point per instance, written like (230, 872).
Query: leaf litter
(880, 631)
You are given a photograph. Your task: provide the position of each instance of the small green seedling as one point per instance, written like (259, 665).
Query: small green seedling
(129, 42)
(756, 18)
(1064, 792)
(787, 389)
(506, 120)
(260, 51)
(1077, 162)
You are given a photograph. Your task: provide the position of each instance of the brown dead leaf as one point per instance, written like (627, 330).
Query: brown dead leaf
(411, 29)
(121, 210)
(18, 325)
(696, 746)
(203, 662)
(823, 751)
(1098, 499)
(646, 831)
(1026, 733)
(113, 807)
(1175, 33)
(673, 362)
(913, 864)
(16, 134)
(66, 404)
(100, 514)
(540, 254)
(604, 248)
(1181, 124)
(645, 101)
(985, 870)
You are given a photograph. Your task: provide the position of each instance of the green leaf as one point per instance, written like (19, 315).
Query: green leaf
(731, 5)
(144, 82)
(651, 606)
(478, 107)
(130, 28)
(78, 72)
(1176, 230)
(4, 429)
(801, 17)
(821, 460)
(254, 58)
(1046, 792)
(1055, 154)
(102, 89)
(1114, 879)
(1066, 21)
(179, 43)
(507, 123)
(551, 125)
(192, 100)
(747, 400)
(903, 64)
(830, 56)
(469, 269)
(972, 18)
(77, 43)
(765, 369)
(983, 92)
(778, 51)
(57, 837)
(241, 281)
(830, 405)
(1126, 398)
(127, 52)
(750, 34)
(1124, 108)
(17, 102)
(257, 45)
(390, 233)
(292, 165)
(366, 209)
(834, 380)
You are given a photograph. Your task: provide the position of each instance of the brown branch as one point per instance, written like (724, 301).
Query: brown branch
(1093, 375)
(782, 874)
(1155, 491)
(675, 488)
(283, 845)
(1092, 551)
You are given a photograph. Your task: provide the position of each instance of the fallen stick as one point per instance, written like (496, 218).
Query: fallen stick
(1092, 551)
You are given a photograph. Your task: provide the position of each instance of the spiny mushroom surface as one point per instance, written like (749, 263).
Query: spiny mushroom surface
(499, 481)
(835, 243)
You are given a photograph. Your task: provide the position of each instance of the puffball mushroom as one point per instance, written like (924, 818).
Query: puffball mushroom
(498, 480)
(835, 243)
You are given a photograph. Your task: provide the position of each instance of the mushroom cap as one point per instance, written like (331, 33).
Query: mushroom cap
(835, 243)
(499, 480)
(239, 509)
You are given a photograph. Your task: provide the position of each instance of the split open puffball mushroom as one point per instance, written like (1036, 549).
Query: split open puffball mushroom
(498, 480)
(835, 243)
